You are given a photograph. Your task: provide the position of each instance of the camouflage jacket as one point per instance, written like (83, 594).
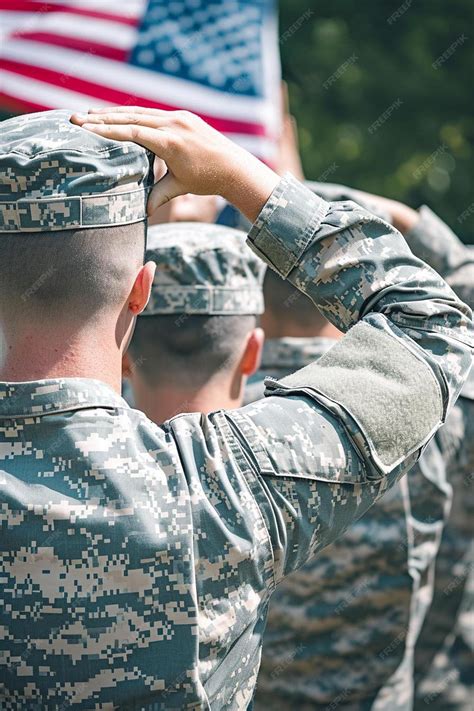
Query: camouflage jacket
(341, 629)
(447, 638)
(138, 561)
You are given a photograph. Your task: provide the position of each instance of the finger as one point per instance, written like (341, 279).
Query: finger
(153, 139)
(122, 119)
(127, 109)
(162, 192)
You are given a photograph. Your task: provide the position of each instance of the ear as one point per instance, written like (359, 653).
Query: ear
(141, 289)
(250, 361)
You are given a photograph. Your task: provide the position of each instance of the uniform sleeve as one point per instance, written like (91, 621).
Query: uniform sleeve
(329, 439)
(433, 241)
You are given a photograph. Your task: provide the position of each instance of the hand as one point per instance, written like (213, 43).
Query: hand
(199, 159)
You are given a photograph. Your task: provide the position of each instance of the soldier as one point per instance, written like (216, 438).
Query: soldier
(444, 650)
(138, 561)
(355, 612)
(197, 341)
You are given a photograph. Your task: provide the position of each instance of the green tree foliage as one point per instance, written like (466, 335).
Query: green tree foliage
(350, 63)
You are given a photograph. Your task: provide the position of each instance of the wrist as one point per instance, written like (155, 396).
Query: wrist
(249, 185)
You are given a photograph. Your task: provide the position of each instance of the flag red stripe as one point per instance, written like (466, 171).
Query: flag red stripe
(118, 97)
(19, 106)
(35, 7)
(83, 45)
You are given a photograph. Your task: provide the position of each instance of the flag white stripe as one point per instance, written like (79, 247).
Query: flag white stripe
(38, 92)
(32, 90)
(272, 70)
(135, 80)
(112, 34)
(126, 8)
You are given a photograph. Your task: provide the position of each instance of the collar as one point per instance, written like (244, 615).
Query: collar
(293, 352)
(43, 397)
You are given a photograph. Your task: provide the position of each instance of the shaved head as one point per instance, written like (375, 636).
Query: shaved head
(188, 349)
(71, 274)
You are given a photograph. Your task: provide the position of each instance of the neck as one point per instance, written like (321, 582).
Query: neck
(33, 354)
(165, 401)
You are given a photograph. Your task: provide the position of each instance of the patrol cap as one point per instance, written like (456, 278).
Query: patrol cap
(203, 269)
(57, 176)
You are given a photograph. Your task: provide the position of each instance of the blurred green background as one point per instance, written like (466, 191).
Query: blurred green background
(348, 62)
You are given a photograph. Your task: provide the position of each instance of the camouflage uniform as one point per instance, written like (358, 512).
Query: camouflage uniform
(446, 643)
(138, 561)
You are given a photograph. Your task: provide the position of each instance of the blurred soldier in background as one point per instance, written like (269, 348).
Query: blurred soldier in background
(197, 341)
(355, 613)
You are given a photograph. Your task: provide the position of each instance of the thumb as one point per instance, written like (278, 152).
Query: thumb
(163, 191)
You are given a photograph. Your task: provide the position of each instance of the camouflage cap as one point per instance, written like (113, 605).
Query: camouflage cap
(203, 269)
(57, 176)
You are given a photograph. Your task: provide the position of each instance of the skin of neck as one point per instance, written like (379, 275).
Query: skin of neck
(43, 346)
(62, 351)
(166, 400)
(276, 327)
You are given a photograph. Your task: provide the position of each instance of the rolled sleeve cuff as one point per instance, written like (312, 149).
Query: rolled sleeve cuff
(287, 224)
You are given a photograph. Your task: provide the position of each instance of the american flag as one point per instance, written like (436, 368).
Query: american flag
(217, 58)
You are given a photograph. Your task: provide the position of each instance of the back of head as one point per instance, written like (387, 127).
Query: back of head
(72, 218)
(205, 299)
(68, 275)
(187, 352)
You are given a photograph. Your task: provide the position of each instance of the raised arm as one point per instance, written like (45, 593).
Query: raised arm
(331, 437)
(427, 235)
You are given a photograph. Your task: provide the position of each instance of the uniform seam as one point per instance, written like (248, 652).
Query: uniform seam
(248, 474)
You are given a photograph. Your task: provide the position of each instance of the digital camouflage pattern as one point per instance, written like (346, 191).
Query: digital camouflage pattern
(341, 629)
(138, 561)
(445, 646)
(203, 269)
(57, 176)
(448, 685)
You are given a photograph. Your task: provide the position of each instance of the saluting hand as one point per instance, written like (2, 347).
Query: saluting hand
(199, 159)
